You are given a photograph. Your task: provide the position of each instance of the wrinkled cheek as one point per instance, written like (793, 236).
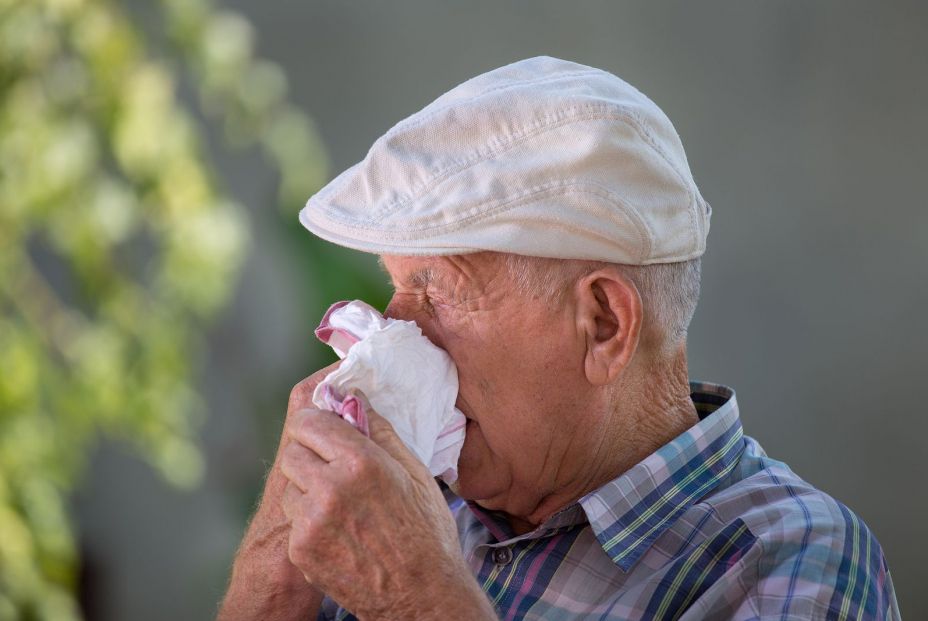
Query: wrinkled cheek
(473, 447)
(474, 460)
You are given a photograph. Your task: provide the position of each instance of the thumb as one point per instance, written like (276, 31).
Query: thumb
(384, 435)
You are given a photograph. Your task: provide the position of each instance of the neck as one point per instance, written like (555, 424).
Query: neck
(651, 407)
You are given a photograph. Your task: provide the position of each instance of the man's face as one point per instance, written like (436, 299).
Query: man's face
(519, 363)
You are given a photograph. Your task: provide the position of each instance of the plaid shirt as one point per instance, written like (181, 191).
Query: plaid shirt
(706, 527)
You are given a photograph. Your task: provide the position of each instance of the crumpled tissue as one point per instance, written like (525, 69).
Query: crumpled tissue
(390, 366)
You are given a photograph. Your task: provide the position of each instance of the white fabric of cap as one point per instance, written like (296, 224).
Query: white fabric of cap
(542, 157)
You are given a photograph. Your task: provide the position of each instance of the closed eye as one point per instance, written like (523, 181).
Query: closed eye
(412, 303)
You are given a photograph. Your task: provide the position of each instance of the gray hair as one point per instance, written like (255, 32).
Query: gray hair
(669, 291)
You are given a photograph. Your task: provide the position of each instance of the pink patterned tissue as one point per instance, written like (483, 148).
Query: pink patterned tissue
(390, 366)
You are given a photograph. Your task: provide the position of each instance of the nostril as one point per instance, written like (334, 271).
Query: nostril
(397, 310)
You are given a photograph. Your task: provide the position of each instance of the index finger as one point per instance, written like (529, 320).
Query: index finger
(326, 434)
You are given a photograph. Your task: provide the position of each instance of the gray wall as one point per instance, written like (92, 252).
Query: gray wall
(805, 127)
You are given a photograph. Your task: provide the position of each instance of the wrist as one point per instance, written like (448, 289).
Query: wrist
(452, 593)
(264, 583)
(265, 586)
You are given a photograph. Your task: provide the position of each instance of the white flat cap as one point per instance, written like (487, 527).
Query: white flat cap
(542, 157)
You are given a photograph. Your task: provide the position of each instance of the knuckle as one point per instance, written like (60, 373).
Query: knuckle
(360, 465)
(292, 452)
(302, 421)
(299, 546)
(298, 388)
(292, 497)
(300, 394)
(294, 416)
(302, 391)
(327, 501)
(289, 459)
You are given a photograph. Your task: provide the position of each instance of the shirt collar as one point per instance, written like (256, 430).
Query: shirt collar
(630, 512)
(497, 524)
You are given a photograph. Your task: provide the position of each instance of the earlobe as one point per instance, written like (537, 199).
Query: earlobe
(609, 315)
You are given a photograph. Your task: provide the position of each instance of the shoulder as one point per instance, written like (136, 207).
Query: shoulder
(816, 556)
(777, 504)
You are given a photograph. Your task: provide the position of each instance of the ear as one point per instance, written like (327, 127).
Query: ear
(609, 316)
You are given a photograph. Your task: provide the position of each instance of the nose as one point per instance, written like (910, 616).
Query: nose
(392, 311)
(404, 308)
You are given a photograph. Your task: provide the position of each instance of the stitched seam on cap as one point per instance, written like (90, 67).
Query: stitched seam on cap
(416, 122)
(510, 203)
(564, 116)
(694, 227)
(596, 189)
(586, 113)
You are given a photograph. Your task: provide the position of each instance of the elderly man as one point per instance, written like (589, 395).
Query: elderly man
(540, 224)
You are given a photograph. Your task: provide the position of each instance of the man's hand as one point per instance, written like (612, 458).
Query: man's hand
(369, 525)
(264, 584)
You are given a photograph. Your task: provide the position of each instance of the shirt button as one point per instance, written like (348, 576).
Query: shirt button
(502, 556)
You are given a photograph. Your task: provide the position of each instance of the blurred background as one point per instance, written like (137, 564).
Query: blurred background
(158, 296)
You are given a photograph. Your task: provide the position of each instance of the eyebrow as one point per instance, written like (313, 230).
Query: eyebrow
(419, 278)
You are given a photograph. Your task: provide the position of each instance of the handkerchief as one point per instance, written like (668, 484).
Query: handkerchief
(390, 366)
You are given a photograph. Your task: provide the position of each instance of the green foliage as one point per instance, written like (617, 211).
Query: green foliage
(116, 246)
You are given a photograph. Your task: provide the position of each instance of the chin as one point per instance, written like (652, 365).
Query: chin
(475, 475)
(464, 486)
(470, 486)
(460, 486)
